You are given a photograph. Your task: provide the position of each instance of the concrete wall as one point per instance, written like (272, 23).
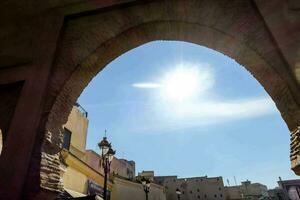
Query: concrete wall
(128, 190)
(192, 188)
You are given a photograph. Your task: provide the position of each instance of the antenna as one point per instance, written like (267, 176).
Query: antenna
(105, 132)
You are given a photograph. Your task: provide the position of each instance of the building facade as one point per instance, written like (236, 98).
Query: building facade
(132, 190)
(192, 188)
(277, 194)
(291, 188)
(119, 167)
(78, 177)
(247, 190)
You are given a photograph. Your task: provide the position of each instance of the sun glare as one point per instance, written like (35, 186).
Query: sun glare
(185, 82)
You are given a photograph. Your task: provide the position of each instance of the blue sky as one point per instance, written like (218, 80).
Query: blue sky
(182, 109)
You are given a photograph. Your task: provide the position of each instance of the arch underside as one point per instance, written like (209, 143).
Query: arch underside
(92, 40)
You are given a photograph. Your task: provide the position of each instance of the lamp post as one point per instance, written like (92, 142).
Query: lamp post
(178, 192)
(107, 155)
(146, 186)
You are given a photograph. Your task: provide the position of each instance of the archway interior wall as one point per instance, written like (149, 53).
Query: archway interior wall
(90, 42)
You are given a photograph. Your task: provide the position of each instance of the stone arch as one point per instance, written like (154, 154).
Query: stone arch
(91, 40)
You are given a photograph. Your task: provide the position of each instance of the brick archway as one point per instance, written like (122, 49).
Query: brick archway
(87, 50)
(62, 45)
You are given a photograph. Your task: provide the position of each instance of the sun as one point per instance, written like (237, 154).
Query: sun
(181, 83)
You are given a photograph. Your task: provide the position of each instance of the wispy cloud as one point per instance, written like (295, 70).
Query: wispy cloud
(168, 118)
(243, 108)
(146, 85)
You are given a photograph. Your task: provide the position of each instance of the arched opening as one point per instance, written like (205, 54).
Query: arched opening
(153, 82)
(66, 45)
(82, 55)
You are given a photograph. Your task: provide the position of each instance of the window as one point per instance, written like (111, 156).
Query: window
(215, 196)
(198, 190)
(191, 191)
(219, 188)
(198, 196)
(67, 139)
(221, 195)
(205, 196)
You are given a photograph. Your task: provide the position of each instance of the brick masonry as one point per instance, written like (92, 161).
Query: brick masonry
(85, 37)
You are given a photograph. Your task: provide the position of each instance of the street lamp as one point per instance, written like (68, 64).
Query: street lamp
(178, 192)
(107, 155)
(146, 186)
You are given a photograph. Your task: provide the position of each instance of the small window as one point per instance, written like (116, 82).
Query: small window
(191, 191)
(198, 196)
(221, 195)
(182, 192)
(215, 196)
(198, 190)
(67, 139)
(205, 196)
(220, 188)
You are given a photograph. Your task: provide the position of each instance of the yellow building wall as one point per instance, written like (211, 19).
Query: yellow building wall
(77, 173)
(78, 124)
(75, 180)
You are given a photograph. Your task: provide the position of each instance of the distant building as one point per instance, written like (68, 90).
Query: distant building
(192, 188)
(120, 167)
(147, 174)
(247, 190)
(291, 188)
(125, 189)
(277, 194)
